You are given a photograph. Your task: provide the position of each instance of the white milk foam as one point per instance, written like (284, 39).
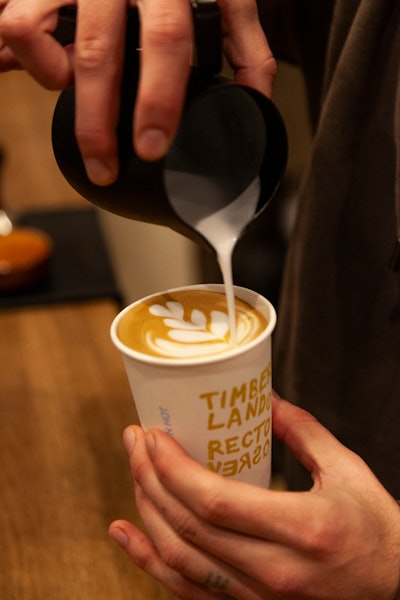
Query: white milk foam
(220, 227)
(188, 323)
(198, 335)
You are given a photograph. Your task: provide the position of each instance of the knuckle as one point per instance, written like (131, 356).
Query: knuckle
(185, 590)
(213, 507)
(144, 555)
(173, 554)
(245, 10)
(139, 470)
(93, 141)
(160, 107)
(324, 536)
(186, 528)
(16, 25)
(168, 31)
(289, 583)
(91, 54)
(270, 67)
(164, 470)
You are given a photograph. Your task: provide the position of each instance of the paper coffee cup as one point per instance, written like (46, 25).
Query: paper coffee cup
(217, 407)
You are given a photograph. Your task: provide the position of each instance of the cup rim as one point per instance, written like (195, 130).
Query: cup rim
(256, 300)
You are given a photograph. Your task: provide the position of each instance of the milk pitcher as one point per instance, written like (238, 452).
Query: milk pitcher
(229, 137)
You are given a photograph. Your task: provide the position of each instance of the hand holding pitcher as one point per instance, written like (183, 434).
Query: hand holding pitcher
(95, 63)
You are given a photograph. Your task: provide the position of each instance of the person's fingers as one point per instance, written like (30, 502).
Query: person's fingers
(315, 447)
(98, 63)
(235, 505)
(145, 556)
(27, 31)
(293, 544)
(166, 41)
(211, 548)
(305, 437)
(189, 560)
(246, 46)
(165, 557)
(166, 45)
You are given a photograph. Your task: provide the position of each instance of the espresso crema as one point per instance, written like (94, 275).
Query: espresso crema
(188, 324)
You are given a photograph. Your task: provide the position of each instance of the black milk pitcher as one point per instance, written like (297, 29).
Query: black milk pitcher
(229, 136)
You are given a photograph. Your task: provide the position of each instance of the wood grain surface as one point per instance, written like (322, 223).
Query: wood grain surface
(64, 476)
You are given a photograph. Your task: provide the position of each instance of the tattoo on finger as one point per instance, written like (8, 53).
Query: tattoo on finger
(215, 581)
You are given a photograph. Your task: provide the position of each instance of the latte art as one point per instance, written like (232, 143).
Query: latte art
(188, 324)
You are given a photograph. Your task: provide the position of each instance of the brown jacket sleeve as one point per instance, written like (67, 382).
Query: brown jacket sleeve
(298, 31)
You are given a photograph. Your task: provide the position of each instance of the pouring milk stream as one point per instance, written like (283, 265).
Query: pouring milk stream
(221, 227)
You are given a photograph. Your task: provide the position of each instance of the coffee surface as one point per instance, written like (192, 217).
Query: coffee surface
(188, 324)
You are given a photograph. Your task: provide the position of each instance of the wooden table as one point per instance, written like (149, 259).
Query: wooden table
(64, 401)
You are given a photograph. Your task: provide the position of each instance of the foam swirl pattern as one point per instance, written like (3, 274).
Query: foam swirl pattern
(188, 324)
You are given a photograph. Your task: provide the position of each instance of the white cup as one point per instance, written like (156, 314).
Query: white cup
(217, 407)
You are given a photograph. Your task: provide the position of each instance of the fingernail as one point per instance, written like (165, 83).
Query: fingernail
(119, 536)
(152, 144)
(150, 444)
(129, 439)
(100, 172)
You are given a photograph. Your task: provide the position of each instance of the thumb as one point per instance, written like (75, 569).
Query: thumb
(309, 441)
